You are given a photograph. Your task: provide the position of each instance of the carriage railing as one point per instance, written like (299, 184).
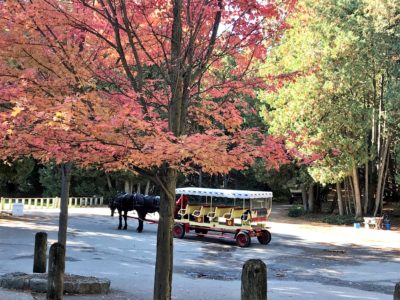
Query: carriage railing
(49, 202)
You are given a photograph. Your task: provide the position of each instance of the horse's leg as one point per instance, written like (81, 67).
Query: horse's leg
(120, 219)
(141, 217)
(126, 219)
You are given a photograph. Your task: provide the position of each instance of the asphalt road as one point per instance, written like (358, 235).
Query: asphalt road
(305, 261)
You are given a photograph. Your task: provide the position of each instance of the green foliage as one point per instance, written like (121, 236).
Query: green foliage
(50, 179)
(258, 176)
(88, 182)
(314, 217)
(396, 210)
(340, 220)
(295, 211)
(341, 50)
(84, 182)
(18, 178)
(26, 177)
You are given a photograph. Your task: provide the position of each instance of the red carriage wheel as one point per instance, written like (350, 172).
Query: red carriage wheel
(264, 237)
(178, 231)
(243, 239)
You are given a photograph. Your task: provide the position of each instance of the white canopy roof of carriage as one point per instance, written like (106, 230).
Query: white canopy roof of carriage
(238, 194)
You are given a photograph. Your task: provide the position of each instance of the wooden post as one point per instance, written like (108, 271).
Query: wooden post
(396, 295)
(39, 259)
(254, 280)
(55, 279)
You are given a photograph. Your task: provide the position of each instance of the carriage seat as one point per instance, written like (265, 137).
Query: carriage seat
(261, 212)
(186, 213)
(201, 215)
(239, 216)
(223, 213)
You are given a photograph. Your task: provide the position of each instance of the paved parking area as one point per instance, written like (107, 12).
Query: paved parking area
(305, 261)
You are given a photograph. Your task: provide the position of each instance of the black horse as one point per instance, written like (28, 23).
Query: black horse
(124, 202)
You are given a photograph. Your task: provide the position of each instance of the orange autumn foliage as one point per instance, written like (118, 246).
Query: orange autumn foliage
(121, 85)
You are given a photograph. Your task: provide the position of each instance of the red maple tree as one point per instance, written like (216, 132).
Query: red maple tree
(156, 87)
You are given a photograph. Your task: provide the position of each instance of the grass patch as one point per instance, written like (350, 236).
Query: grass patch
(340, 220)
(313, 217)
(295, 211)
(396, 210)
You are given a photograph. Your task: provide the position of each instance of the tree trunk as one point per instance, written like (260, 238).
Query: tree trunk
(65, 185)
(200, 178)
(216, 181)
(384, 182)
(147, 189)
(382, 150)
(164, 257)
(346, 196)
(372, 185)
(319, 197)
(381, 174)
(225, 181)
(138, 188)
(366, 188)
(351, 193)
(109, 183)
(357, 195)
(127, 186)
(339, 198)
(304, 198)
(311, 197)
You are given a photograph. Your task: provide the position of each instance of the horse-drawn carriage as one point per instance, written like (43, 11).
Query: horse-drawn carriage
(233, 214)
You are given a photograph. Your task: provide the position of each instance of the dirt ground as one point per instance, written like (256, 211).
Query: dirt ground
(346, 254)
(391, 209)
(305, 260)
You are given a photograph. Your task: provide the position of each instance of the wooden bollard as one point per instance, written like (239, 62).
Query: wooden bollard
(254, 280)
(39, 257)
(396, 295)
(55, 280)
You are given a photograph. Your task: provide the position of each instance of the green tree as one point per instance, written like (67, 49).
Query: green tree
(19, 178)
(342, 56)
(50, 179)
